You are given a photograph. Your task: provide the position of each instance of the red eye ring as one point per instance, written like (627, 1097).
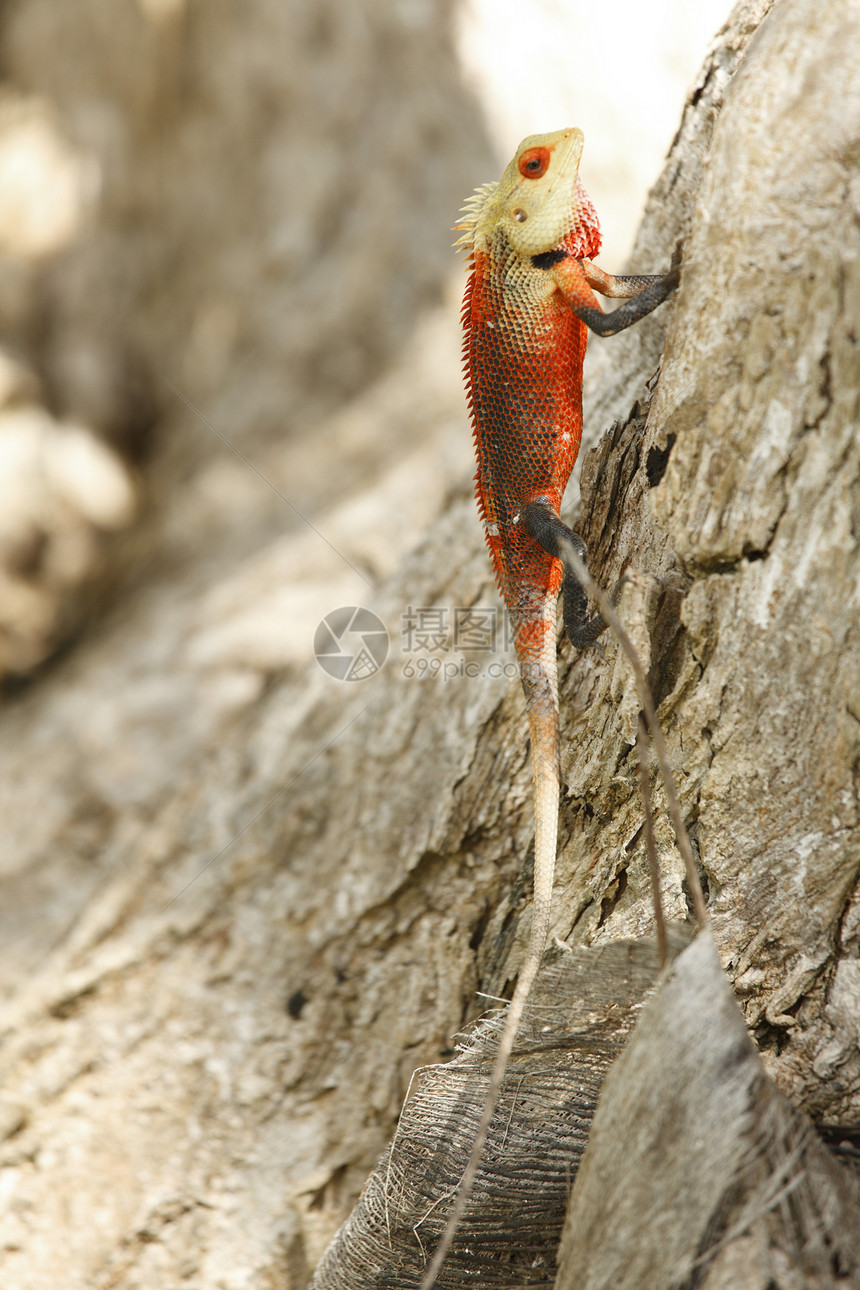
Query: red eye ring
(534, 162)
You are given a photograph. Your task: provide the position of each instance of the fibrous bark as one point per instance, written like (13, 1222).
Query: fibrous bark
(579, 1017)
(288, 889)
(698, 1172)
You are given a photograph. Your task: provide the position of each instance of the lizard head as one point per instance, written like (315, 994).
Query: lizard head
(535, 203)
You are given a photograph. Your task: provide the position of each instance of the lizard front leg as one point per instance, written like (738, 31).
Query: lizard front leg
(618, 286)
(577, 280)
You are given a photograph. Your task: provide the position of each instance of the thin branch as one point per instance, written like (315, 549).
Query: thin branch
(646, 699)
(650, 846)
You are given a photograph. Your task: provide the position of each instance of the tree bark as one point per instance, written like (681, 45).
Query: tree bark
(297, 910)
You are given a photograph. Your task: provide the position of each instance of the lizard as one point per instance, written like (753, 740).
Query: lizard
(530, 241)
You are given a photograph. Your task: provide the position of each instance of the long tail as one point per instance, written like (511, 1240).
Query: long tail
(541, 685)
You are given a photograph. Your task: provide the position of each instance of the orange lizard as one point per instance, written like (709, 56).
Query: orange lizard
(529, 300)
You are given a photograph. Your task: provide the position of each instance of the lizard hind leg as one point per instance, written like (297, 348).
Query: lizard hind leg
(542, 522)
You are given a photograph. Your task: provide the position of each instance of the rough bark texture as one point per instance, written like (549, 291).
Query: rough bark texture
(711, 1178)
(579, 1017)
(269, 896)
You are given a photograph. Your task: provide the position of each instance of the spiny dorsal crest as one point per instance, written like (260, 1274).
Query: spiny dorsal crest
(471, 213)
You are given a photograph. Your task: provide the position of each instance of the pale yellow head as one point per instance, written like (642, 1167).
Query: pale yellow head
(534, 202)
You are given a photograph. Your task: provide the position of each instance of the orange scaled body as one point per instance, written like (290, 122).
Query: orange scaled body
(523, 355)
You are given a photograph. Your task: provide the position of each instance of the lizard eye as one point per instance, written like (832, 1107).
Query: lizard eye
(534, 162)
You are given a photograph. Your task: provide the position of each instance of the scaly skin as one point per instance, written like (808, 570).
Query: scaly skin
(528, 304)
(523, 349)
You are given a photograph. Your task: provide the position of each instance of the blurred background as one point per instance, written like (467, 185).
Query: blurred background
(227, 290)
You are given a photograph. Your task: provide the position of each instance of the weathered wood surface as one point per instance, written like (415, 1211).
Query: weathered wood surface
(579, 1017)
(199, 1078)
(694, 1171)
(697, 1171)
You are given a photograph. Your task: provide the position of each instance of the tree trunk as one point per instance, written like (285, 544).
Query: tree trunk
(296, 910)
